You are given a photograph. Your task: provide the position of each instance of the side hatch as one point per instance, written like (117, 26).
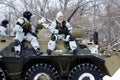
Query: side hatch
(6, 46)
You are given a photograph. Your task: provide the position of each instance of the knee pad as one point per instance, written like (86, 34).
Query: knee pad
(17, 42)
(54, 38)
(71, 38)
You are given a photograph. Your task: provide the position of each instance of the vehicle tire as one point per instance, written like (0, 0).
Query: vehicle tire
(42, 72)
(2, 75)
(85, 71)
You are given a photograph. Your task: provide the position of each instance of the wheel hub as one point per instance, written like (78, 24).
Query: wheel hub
(86, 76)
(42, 76)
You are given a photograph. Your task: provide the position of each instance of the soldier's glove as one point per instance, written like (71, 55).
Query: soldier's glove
(61, 32)
(66, 32)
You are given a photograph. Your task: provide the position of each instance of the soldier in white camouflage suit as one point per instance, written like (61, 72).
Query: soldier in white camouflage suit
(25, 31)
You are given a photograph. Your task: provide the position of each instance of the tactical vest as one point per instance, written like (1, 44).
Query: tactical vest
(25, 24)
(61, 27)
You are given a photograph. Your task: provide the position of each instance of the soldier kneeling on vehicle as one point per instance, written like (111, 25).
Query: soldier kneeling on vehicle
(25, 31)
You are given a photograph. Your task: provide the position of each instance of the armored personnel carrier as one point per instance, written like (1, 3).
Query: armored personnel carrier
(87, 64)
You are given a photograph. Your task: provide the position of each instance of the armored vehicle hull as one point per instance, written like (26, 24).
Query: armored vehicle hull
(56, 67)
(61, 65)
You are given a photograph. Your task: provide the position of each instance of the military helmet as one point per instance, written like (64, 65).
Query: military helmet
(4, 22)
(27, 15)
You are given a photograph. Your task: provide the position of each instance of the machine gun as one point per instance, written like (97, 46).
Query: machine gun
(77, 9)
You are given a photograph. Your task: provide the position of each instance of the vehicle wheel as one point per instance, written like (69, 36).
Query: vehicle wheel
(42, 72)
(85, 71)
(2, 75)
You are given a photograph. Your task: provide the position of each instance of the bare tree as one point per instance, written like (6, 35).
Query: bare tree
(102, 15)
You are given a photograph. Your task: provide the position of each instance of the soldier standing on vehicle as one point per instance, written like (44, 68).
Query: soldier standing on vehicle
(3, 28)
(61, 30)
(25, 31)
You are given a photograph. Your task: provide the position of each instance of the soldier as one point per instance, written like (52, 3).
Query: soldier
(3, 28)
(61, 30)
(24, 31)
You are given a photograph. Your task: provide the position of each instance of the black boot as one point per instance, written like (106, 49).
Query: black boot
(75, 52)
(38, 52)
(49, 51)
(17, 54)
